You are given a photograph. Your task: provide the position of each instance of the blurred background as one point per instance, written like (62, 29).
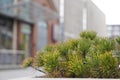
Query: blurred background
(27, 26)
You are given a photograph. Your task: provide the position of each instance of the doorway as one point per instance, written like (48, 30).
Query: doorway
(26, 45)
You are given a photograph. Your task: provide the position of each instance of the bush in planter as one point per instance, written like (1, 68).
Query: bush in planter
(117, 48)
(117, 43)
(84, 57)
(50, 48)
(63, 50)
(106, 44)
(51, 63)
(92, 64)
(67, 46)
(88, 35)
(77, 67)
(103, 66)
(108, 66)
(27, 62)
(118, 40)
(38, 61)
(83, 46)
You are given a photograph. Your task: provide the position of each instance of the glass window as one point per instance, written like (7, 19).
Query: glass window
(42, 36)
(26, 41)
(4, 3)
(26, 29)
(109, 28)
(5, 34)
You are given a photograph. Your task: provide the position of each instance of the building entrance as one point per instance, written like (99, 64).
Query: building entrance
(26, 45)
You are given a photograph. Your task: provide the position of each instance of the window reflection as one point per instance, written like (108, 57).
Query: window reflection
(5, 34)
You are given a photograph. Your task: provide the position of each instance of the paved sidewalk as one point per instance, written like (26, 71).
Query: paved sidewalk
(18, 73)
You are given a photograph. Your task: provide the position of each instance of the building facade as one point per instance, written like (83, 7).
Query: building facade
(20, 29)
(113, 30)
(96, 19)
(82, 15)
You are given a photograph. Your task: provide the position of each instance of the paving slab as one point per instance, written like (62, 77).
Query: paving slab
(19, 73)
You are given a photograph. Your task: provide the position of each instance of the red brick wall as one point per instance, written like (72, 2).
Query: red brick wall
(49, 4)
(19, 34)
(34, 39)
(43, 2)
(34, 28)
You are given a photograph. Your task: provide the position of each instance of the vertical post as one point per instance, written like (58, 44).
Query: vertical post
(19, 37)
(14, 45)
(61, 10)
(50, 33)
(34, 40)
(84, 15)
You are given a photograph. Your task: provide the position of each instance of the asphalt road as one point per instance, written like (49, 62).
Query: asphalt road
(18, 73)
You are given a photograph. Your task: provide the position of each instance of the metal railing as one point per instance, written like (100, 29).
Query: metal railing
(11, 57)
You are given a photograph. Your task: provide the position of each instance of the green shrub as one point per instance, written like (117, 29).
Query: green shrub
(39, 58)
(67, 46)
(88, 34)
(27, 62)
(76, 66)
(92, 63)
(108, 66)
(117, 43)
(106, 44)
(49, 48)
(83, 46)
(63, 48)
(72, 43)
(90, 56)
(103, 66)
(51, 64)
(51, 61)
(118, 40)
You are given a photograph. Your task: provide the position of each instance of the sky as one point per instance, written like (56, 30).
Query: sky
(111, 9)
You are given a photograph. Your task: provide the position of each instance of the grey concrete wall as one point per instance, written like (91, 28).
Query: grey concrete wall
(95, 19)
(73, 18)
(57, 4)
